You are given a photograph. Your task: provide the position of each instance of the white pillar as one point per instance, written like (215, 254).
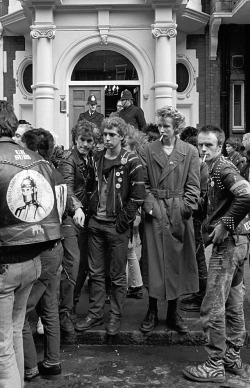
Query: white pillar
(43, 76)
(163, 31)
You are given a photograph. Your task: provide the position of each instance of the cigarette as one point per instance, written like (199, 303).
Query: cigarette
(204, 158)
(161, 137)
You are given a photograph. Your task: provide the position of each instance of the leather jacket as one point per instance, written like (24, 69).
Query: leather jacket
(125, 188)
(79, 177)
(228, 199)
(28, 205)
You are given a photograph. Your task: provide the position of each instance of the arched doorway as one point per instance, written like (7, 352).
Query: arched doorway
(105, 73)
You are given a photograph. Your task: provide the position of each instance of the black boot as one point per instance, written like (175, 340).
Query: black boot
(151, 319)
(193, 302)
(174, 321)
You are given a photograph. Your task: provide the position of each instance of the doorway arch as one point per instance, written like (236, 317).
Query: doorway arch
(92, 43)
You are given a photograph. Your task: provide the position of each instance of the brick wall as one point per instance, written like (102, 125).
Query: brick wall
(11, 44)
(4, 4)
(208, 85)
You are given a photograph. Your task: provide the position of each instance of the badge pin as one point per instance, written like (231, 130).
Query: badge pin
(123, 161)
(118, 185)
(117, 174)
(119, 179)
(171, 162)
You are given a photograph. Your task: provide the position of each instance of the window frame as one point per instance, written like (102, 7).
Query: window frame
(238, 128)
(19, 77)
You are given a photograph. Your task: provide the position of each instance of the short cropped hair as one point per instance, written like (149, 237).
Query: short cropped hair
(219, 133)
(40, 140)
(83, 128)
(8, 119)
(118, 124)
(175, 114)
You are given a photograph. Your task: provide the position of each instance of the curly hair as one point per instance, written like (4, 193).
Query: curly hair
(40, 140)
(135, 139)
(8, 119)
(117, 124)
(83, 128)
(188, 132)
(175, 114)
(234, 142)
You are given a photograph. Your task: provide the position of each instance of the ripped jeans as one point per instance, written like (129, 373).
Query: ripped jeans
(222, 312)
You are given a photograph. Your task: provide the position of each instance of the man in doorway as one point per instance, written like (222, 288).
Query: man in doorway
(118, 192)
(226, 227)
(130, 113)
(91, 114)
(119, 107)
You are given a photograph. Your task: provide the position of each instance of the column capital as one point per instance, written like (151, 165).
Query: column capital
(164, 29)
(45, 31)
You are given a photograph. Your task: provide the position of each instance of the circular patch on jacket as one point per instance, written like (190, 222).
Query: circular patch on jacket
(29, 196)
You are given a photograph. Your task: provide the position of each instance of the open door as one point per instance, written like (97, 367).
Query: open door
(78, 96)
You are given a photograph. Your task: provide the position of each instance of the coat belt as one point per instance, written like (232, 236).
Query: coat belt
(167, 193)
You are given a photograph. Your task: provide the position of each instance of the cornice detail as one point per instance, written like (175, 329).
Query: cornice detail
(166, 29)
(43, 32)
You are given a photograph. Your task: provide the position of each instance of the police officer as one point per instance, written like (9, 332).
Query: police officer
(91, 114)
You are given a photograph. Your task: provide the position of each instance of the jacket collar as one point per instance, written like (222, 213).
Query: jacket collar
(121, 158)
(6, 139)
(168, 164)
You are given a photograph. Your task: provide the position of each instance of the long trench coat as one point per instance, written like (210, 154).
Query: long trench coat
(173, 189)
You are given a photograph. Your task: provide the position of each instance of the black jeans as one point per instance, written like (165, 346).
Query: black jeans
(43, 297)
(73, 245)
(104, 238)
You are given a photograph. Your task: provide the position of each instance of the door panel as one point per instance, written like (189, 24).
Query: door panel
(78, 97)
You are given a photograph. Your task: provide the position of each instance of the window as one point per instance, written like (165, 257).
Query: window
(182, 76)
(24, 78)
(185, 77)
(104, 65)
(27, 78)
(238, 105)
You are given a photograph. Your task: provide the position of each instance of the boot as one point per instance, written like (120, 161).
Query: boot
(211, 370)
(193, 302)
(135, 292)
(151, 319)
(66, 324)
(233, 362)
(174, 321)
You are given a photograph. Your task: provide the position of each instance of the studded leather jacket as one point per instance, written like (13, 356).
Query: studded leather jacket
(228, 199)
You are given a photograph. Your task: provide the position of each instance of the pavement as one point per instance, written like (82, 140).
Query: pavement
(133, 367)
(134, 313)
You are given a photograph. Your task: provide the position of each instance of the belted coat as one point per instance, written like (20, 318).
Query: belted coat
(172, 193)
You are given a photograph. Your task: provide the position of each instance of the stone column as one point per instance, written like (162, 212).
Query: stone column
(43, 76)
(165, 57)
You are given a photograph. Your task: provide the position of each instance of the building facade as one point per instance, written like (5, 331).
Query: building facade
(190, 54)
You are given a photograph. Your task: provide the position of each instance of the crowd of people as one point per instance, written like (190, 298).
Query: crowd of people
(73, 216)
